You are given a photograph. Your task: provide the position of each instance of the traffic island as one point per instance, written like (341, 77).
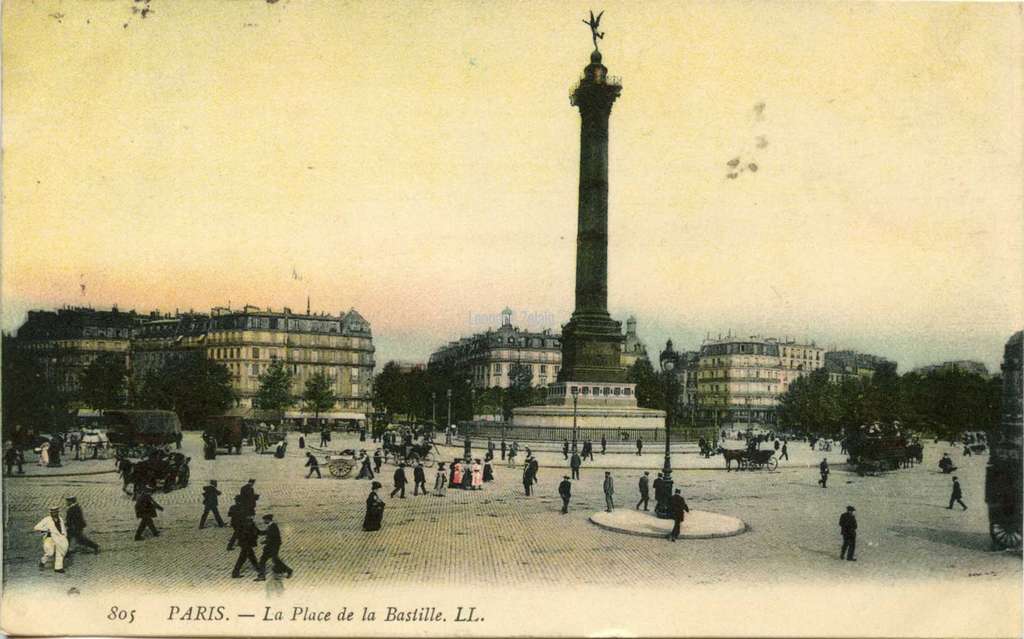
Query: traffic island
(698, 524)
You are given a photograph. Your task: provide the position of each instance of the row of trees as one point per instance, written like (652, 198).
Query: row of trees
(193, 387)
(942, 403)
(422, 394)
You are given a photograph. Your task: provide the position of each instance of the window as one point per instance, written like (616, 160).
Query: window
(255, 353)
(255, 370)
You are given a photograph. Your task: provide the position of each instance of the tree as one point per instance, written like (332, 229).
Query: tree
(388, 389)
(31, 398)
(103, 383)
(194, 387)
(812, 405)
(520, 388)
(318, 396)
(275, 392)
(650, 386)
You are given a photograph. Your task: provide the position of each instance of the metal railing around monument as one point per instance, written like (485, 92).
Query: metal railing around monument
(498, 430)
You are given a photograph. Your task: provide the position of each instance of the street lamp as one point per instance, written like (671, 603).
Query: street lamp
(448, 424)
(575, 400)
(663, 509)
(433, 408)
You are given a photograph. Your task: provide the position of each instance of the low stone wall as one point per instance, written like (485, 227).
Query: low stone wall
(497, 430)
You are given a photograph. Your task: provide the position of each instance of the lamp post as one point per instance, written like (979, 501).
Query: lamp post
(663, 508)
(448, 424)
(433, 408)
(575, 401)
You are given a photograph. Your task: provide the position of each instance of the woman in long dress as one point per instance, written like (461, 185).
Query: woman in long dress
(457, 473)
(478, 476)
(44, 454)
(488, 472)
(440, 482)
(374, 508)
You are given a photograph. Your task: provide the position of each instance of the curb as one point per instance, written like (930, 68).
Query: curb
(84, 474)
(635, 533)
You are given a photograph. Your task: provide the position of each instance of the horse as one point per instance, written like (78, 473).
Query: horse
(739, 456)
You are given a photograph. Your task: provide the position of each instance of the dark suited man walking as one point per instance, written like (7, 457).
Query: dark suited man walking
(678, 509)
(145, 510)
(955, 497)
(400, 481)
(609, 491)
(210, 494)
(76, 525)
(565, 492)
(248, 537)
(419, 479)
(645, 491)
(271, 547)
(574, 464)
(848, 528)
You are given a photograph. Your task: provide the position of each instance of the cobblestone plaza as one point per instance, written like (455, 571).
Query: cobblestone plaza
(499, 536)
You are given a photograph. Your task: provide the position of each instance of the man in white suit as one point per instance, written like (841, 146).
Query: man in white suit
(55, 543)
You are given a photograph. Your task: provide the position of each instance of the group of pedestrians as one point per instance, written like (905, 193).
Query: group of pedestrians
(59, 531)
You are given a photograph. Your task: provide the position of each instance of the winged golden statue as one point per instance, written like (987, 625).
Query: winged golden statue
(594, 23)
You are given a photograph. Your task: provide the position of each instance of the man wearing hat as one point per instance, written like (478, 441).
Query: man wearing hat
(313, 465)
(210, 495)
(609, 491)
(645, 490)
(271, 546)
(565, 492)
(55, 542)
(76, 525)
(248, 537)
(848, 527)
(957, 496)
(145, 510)
(678, 507)
(419, 478)
(249, 497)
(400, 481)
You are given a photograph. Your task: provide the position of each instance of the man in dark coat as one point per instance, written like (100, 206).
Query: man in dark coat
(575, 464)
(13, 458)
(248, 537)
(400, 481)
(145, 510)
(210, 495)
(639, 446)
(848, 528)
(503, 448)
(419, 480)
(604, 444)
(645, 491)
(378, 459)
(659, 488)
(314, 466)
(76, 525)
(678, 508)
(565, 449)
(588, 450)
(528, 478)
(565, 492)
(271, 548)
(249, 497)
(236, 514)
(824, 470)
(609, 491)
(955, 497)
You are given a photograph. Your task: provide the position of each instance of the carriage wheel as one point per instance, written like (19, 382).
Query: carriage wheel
(336, 470)
(772, 464)
(1007, 537)
(346, 470)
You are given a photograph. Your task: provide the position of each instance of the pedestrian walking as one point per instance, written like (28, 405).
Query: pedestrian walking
(440, 481)
(457, 471)
(400, 481)
(659, 489)
(248, 538)
(374, 509)
(236, 513)
(378, 459)
(490, 447)
(785, 450)
(12, 458)
(678, 508)
(55, 539)
(145, 511)
(609, 491)
(645, 491)
(477, 480)
(419, 479)
(824, 470)
(313, 465)
(639, 446)
(503, 449)
(365, 471)
(528, 478)
(604, 444)
(210, 495)
(76, 525)
(565, 449)
(325, 438)
(574, 465)
(588, 450)
(512, 452)
(488, 472)
(249, 497)
(271, 550)
(848, 528)
(565, 492)
(956, 496)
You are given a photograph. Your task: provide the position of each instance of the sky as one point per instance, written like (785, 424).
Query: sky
(419, 162)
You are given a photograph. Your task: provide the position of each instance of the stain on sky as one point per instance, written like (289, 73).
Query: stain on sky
(746, 162)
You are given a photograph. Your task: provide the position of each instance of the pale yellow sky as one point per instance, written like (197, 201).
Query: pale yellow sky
(419, 162)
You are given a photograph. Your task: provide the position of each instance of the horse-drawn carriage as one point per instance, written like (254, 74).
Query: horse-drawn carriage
(157, 471)
(133, 433)
(878, 448)
(750, 459)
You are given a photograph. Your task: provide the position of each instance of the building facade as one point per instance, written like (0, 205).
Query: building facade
(161, 340)
(487, 359)
(849, 364)
(739, 380)
(962, 365)
(67, 340)
(633, 348)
